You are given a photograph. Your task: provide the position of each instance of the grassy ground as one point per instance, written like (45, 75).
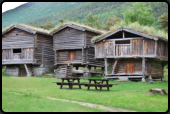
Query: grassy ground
(127, 95)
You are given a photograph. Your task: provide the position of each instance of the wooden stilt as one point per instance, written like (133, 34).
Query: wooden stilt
(143, 69)
(26, 70)
(114, 66)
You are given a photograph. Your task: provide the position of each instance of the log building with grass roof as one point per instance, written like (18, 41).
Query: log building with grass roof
(27, 51)
(130, 53)
(74, 52)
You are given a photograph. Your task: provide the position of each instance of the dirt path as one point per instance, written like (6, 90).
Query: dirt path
(111, 109)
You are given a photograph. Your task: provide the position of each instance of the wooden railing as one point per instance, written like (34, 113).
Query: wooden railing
(121, 50)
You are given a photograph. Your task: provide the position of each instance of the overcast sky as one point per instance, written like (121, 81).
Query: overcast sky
(10, 5)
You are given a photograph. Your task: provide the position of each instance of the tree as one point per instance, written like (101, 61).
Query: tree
(140, 13)
(111, 21)
(164, 21)
(61, 20)
(92, 21)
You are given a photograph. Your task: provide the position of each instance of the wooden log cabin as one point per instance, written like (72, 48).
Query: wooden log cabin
(130, 53)
(27, 51)
(74, 52)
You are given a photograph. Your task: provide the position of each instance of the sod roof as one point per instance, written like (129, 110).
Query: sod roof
(75, 26)
(27, 28)
(131, 30)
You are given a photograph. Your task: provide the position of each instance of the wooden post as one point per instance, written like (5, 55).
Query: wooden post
(95, 51)
(42, 61)
(26, 70)
(155, 47)
(143, 69)
(82, 55)
(105, 60)
(114, 48)
(131, 47)
(163, 78)
(104, 48)
(123, 35)
(87, 59)
(143, 46)
(55, 58)
(114, 66)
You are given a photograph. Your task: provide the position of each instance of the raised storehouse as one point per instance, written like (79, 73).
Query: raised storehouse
(130, 53)
(74, 52)
(27, 51)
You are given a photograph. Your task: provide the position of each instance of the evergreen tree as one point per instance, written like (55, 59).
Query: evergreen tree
(164, 21)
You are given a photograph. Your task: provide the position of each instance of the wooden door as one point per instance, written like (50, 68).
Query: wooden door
(72, 55)
(22, 72)
(129, 67)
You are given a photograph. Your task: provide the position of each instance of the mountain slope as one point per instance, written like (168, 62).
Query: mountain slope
(34, 10)
(102, 10)
(39, 13)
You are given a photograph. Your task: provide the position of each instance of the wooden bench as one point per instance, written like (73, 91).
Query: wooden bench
(70, 84)
(99, 85)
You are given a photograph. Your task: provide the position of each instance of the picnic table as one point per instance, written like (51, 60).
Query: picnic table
(70, 82)
(99, 84)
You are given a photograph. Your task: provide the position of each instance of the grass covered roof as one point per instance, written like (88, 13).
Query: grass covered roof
(150, 31)
(87, 28)
(28, 27)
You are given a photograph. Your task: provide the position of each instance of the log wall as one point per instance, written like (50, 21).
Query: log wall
(137, 47)
(89, 36)
(92, 61)
(68, 56)
(162, 49)
(44, 53)
(26, 53)
(17, 38)
(149, 47)
(69, 38)
(99, 49)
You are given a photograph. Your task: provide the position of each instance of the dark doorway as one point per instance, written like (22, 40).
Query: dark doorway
(22, 72)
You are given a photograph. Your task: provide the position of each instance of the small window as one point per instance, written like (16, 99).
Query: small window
(122, 42)
(16, 50)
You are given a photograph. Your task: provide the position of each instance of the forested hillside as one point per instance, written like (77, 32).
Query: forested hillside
(77, 12)
(33, 10)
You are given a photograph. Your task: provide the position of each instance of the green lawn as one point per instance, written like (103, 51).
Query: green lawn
(126, 95)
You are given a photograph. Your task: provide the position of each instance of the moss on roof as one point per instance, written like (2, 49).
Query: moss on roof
(137, 27)
(41, 30)
(76, 24)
